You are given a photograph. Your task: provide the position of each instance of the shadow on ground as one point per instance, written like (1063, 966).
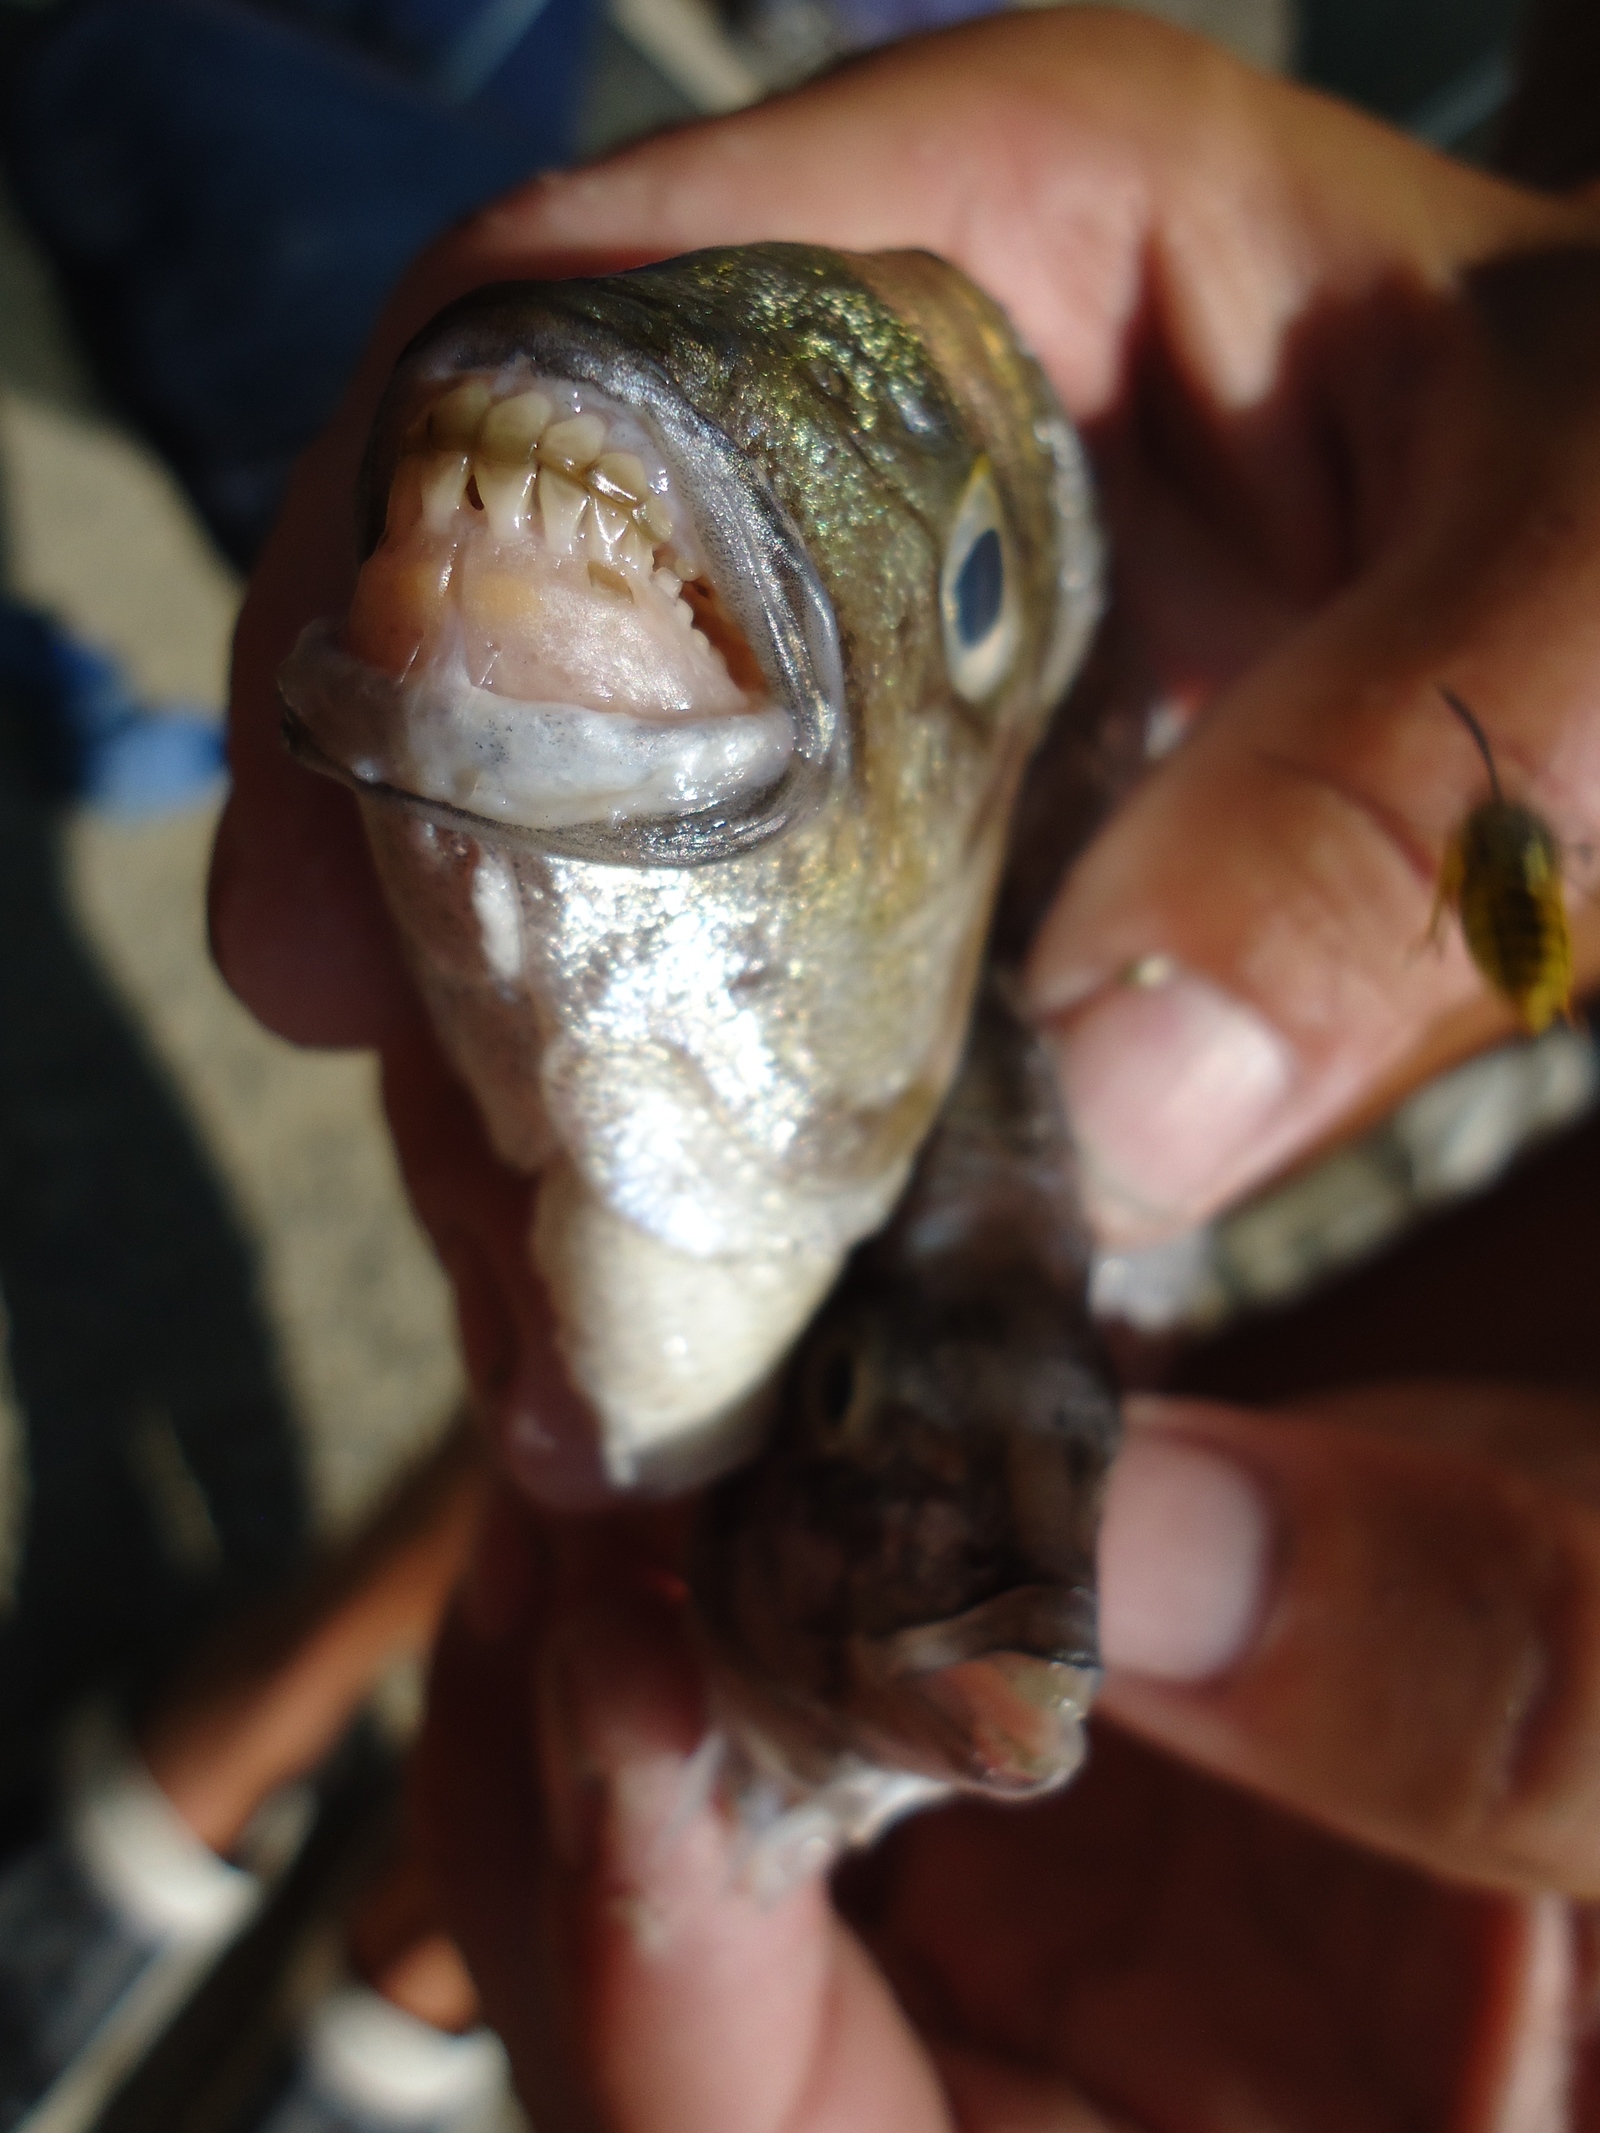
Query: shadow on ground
(163, 1473)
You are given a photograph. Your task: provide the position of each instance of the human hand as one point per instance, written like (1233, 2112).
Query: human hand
(1376, 1620)
(1376, 1608)
(1342, 407)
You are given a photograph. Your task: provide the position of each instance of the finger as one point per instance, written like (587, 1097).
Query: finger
(705, 2006)
(471, 1791)
(1086, 168)
(638, 1985)
(1238, 962)
(1520, 2067)
(1193, 1960)
(1547, 1435)
(989, 2095)
(298, 925)
(1399, 1641)
(480, 1216)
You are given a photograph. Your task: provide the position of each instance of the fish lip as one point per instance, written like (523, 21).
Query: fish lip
(709, 834)
(758, 560)
(1048, 1626)
(1043, 1620)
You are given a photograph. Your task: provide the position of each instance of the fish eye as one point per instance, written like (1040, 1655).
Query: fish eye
(978, 592)
(837, 1387)
(980, 588)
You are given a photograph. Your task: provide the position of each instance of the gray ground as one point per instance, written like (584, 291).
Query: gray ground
(225, 1326)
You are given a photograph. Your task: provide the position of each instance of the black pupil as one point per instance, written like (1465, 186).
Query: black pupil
(837, 1386)
(979, 589)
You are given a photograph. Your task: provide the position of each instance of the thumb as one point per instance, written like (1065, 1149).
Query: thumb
(592, 1885)
(1240, 961)
(705, 2007)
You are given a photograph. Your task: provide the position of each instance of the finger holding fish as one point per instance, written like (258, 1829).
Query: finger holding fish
(1206, 1040)
(1145, 1938)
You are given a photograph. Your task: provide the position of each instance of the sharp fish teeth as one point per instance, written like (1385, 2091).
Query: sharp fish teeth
(562, 505)
(590, 502)
(620, 474)
(513, 427)
(405, 499)
(611, 522)
(575, 442)
(655, 518)
(453, 420)
(444, 483)
(505, 496)
(633, 552)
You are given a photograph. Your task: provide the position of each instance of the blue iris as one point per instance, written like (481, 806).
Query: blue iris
(979, 589)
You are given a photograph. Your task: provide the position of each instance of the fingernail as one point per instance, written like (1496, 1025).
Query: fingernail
(1168, 1083)
(1185, 1559)
(618, 1715)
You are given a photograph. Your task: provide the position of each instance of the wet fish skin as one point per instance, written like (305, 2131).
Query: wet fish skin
(722, 1037)
(901, 1586)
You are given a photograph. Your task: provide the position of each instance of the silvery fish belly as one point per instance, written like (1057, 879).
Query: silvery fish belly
(707, 619)
(897, 1596)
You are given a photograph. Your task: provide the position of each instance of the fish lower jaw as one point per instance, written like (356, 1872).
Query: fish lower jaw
(673, 1353)
(435, 739)
(803, 1784)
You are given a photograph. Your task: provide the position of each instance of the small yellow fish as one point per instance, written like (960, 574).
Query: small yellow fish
(1502, 877)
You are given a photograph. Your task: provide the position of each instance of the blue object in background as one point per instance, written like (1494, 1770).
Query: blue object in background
(87, 739)
(864, 23)
(1440, 68)
(228, 193)
(483, 54)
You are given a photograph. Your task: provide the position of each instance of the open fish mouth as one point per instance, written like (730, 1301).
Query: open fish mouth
(991, 1702)
(993, 1699)
(556, 635)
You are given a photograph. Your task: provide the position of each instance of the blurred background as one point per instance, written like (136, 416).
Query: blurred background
(223, 1337)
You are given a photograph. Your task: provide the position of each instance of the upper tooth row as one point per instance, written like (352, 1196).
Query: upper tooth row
(505, 444)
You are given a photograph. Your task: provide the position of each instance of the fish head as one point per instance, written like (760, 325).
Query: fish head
(906, 1574)
(655, 563)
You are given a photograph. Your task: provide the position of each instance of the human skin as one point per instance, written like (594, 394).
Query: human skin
(1346, 417)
